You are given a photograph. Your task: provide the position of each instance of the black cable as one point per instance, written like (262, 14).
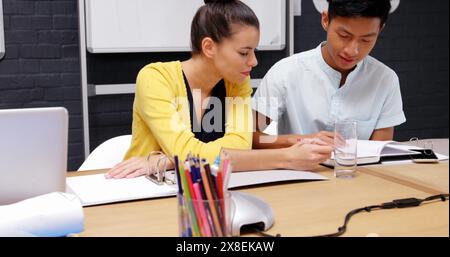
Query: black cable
(399, 203)
(264, 234)
(342, 229)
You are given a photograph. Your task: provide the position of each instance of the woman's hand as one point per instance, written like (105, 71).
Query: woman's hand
(307, 154)
(131, 168)
(138, 166)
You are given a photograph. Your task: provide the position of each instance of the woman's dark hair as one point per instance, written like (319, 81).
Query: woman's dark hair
(360, 8)
(215, 20)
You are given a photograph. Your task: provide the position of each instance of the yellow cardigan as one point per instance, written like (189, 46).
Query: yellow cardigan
(161, 119)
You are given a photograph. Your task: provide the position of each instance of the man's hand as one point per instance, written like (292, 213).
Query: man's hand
(325, 136)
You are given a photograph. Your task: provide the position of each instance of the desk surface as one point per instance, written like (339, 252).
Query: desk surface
(307, 208)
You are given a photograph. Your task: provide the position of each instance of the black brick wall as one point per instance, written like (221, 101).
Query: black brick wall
(41, 66)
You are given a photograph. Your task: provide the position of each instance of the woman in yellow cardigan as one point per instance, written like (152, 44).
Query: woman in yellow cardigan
(202, 105)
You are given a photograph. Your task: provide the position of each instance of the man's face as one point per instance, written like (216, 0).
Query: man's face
(349, 40)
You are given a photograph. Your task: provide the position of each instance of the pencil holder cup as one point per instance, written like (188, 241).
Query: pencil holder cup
(204, 218)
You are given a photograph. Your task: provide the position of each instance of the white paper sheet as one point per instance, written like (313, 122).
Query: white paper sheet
(239, 179)
(54, 214)
(96, 189)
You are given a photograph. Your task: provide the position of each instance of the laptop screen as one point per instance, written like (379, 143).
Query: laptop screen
(33, 152)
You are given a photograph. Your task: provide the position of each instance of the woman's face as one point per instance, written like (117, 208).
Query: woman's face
(234, 57)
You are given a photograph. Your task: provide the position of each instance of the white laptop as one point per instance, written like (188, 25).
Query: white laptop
(33, 152)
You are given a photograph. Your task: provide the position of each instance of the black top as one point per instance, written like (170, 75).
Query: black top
(209, 130)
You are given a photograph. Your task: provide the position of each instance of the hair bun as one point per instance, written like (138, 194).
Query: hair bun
(219, 1)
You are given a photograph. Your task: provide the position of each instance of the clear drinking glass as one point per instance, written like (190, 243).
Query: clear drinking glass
(345, 153)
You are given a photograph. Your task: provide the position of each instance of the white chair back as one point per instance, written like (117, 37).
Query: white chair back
(107, 154)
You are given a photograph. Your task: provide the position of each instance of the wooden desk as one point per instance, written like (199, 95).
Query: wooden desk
(429, 178)
(307, 208)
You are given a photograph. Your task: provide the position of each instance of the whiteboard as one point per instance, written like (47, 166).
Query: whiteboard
(2, 40)
(120, 26)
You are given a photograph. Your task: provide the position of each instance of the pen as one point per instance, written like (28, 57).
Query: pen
(177, 171)
(226, 173)
(202, 212)
(207, 208)
(189, 202)
(197, 168)
(212, 183)
(184, 220)
(195, 203)
(192, 166)
(221, 196)
(211, 201)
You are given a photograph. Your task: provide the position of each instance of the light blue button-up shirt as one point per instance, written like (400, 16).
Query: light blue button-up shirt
(302, 93)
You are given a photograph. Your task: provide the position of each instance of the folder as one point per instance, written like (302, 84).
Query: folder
(96, 189)
(378, 152)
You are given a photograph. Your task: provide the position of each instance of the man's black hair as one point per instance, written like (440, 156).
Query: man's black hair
(359, 8)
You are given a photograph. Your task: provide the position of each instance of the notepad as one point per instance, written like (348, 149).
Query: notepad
(373, 152)
(95, 189)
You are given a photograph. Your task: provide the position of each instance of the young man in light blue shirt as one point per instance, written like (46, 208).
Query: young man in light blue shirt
(307, 92)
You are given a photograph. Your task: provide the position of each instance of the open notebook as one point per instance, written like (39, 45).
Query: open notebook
(95, 189)
(373, 152)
